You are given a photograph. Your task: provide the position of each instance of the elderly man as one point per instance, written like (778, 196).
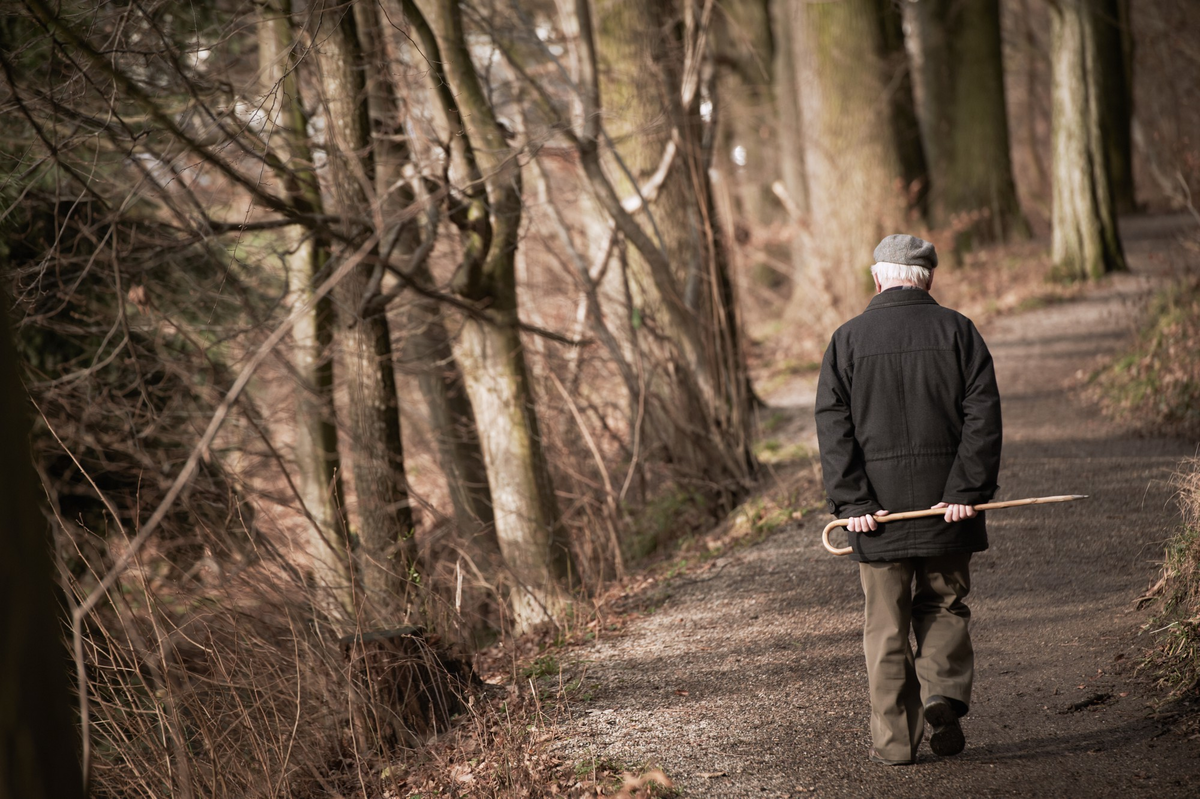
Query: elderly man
(908, 417)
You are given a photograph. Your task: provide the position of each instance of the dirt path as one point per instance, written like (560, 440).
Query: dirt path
(753, 670)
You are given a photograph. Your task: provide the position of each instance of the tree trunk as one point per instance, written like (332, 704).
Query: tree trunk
(746, 134)
(785, 16)
(1085, 244)
(1114, 43)
(964, 121)
(532, 538)
(39, 737)
(861, 156)
(364, 342)
(640, 52)
(426, 349)
(304, 258)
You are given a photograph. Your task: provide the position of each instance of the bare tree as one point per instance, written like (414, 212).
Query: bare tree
(964, 120)
(305, 253)
(855, 98)
(1085, 242)
(679, 296)
(411, 218)
(38, 733)
(746, 141)
(363, 338)
(1114, 43)
(489, 347)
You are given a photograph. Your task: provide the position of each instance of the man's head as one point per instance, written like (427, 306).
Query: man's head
(903, 260)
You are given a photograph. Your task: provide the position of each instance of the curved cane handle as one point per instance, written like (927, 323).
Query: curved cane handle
(825, 536)
(917, 514)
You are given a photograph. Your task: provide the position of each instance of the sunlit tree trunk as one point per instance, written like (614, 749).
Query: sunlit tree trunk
(655, 106)
(743, 55)
(785, 16)
(426, 349)
(964, 121)
(385, 519)
(305, 254)
(532, 538)
(39, 738)
(861, 151)
(1085, 243)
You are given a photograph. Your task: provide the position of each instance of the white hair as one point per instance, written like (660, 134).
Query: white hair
(886, 272)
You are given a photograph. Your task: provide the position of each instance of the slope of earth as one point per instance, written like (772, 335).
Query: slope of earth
(748, 679)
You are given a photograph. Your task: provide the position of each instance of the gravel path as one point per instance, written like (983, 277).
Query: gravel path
(748, 679)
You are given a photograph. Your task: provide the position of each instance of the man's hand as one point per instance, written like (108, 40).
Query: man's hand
(956, 513)
(865, 524)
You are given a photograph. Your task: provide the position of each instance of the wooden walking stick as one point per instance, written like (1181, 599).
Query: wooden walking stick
(916, 514)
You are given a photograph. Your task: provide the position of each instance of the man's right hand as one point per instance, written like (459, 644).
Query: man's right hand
(956, 513)
(865, 524)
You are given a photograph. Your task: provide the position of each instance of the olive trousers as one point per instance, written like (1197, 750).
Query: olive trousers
(924, 595)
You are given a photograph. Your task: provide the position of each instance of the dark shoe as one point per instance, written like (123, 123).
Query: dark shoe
(947, 738)
(875, 757)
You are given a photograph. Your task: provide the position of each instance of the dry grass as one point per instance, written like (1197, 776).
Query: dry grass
(1156, 386)
(1176, 659)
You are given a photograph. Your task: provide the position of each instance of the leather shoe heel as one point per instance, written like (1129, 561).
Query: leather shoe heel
(947, 738)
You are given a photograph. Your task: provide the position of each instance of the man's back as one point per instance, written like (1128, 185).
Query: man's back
(908, 415)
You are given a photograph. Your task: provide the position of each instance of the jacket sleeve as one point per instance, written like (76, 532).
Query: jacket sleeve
(842, 465)
(976, 468)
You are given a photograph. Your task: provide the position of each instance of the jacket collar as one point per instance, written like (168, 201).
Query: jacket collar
(889, 299)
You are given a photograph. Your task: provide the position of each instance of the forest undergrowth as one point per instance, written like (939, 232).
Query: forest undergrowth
(1155, 386)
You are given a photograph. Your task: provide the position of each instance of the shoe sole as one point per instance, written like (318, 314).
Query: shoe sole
(947, 738)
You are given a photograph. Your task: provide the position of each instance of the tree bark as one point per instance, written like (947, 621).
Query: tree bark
(744, 51)
(531, 535)
(964, 122)
(861, 152)
(1114, 43)
(640, 54)
(39, 739)
(387, 549)
(785, 16)
(1085, 244)
(305, 254)
(427, 349)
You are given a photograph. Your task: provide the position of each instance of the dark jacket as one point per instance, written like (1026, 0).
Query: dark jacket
(908, 415)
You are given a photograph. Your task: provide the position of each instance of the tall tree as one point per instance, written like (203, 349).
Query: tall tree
(305, 254)
(532, 538)
(743, 54)
(1085, 243)
(649, 59)
(1114, 43)
(39, 740)
(785, 18)
(964, 123)
(363, 340)
(862, 151)
(427, 348)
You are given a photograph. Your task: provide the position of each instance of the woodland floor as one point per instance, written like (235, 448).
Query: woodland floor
(747, 679)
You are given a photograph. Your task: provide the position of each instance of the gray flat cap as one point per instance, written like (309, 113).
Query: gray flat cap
(901, 248)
